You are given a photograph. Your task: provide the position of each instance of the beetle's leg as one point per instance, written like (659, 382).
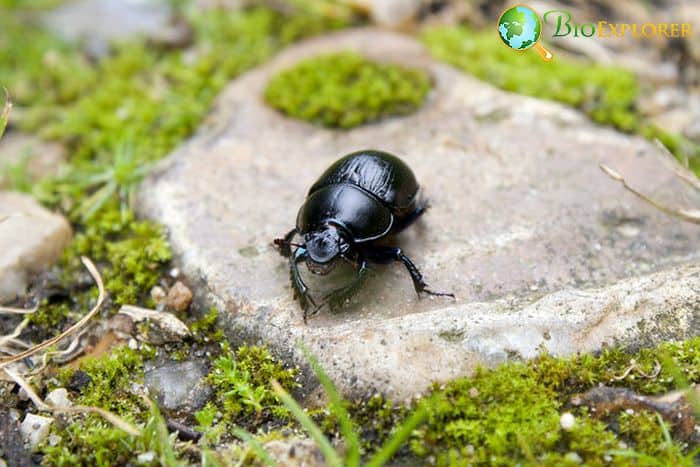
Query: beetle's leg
(337, 296)
(283, 243)
(382, 254)
(300, 288)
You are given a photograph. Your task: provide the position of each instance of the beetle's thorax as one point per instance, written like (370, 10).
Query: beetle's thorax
(324, 247)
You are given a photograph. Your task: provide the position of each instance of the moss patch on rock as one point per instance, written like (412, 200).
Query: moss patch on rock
(344, 90)
(511, 414)
(607, 94)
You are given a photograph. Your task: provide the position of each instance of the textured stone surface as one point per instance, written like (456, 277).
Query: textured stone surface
(539, 246)
(35, 429)
(31, 239)
(295, 452)
(39, 158)
(179, 385)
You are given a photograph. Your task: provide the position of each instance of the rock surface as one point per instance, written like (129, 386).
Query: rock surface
(179, 385)
(31, 239)
(39, 158)
(35, 429)
(295, 452)
(99, 22)
(540, 247)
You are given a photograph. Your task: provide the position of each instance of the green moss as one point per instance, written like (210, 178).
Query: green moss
(134, 253)
(241, 381)
(111, 378)
(89, 439)
(511, 414)
(584, 371)
(41, 72)
(505, 417)
(344, 90)
(94, 442)
(206, 328)
(607, 94)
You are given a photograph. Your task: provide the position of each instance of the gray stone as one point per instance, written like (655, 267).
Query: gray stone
(99, 22)
(31, 239)
(35, 429)
(179, 385)
(391, 13)
(295, 452)
(541, 248)
(58, 398)
(40, 159)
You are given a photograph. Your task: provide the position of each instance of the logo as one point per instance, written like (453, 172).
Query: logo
(520, 28)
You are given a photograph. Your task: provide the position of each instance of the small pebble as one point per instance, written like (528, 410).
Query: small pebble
(174, 273)
(146, 457)
(54, 440)
(78, 381)
(179, 297)
(567, 421)
(58, 398)
(35, 429)
(473, 392)
(158, 294)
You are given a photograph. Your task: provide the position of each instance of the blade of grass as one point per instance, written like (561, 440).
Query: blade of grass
(5, 115)
(338, 409)
(630, 454)
(332, 458)
(664, 429)
(255, 445)
(402, 433)
(681, 382)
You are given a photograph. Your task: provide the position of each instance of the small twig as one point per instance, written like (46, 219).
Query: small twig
(635, 366)
(680, 169)
(24, 384)
(18, 330)
(49, 342)
(43, 406)
(4, 310)
(184, 432)
(685, 214)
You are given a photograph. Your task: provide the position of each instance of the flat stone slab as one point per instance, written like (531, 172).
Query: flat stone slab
(31, 239)
(540, 247)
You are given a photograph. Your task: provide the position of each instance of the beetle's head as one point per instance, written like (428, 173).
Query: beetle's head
(324, 246)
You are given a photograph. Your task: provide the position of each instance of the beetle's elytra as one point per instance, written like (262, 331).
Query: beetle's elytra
(363, 197)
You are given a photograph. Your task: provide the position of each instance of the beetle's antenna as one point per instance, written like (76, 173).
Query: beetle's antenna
(283, 242)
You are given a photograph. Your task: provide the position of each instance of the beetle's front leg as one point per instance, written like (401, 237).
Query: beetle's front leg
(284, 243)
(300, 288)
(337, 296)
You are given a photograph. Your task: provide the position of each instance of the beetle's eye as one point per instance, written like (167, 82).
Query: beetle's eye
(322, 248)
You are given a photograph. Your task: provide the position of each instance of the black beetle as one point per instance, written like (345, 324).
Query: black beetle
(362, 198)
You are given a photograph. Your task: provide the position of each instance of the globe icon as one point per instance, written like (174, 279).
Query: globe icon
(519, 27)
